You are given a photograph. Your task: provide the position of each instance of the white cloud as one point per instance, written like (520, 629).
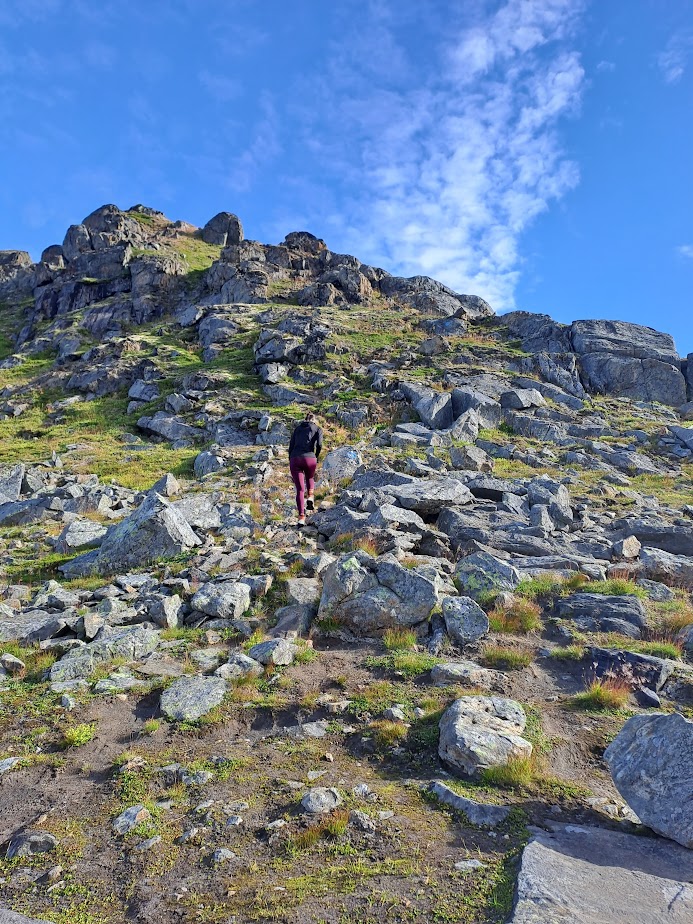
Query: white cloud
(685, 250)
(221, 88)
(673, 60)
(606, 66)
(452, 172)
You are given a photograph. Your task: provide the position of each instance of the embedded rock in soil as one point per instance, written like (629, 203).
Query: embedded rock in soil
(226, 600)
(481, 572)
(275, 651)
(29, 843)
(478, 813)
(585, 875)
(650, 762)
(478, 732)
(340, 464)
(12, 917)
(320, 801)
(189, 698)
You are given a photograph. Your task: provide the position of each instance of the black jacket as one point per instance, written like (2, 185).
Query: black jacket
(306, 440)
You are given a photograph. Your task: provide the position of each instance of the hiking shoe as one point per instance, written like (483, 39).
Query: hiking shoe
(310, 503)
(301, 521)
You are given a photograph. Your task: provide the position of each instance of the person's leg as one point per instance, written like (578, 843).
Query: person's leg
(296, 468)
(310, 467)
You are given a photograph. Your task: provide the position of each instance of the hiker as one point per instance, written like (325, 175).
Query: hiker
(304, 451)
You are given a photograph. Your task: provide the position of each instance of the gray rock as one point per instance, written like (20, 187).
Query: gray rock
(226, 600)
(239, 665)
(464, 619)
(469, 673)
(130, 818)
(671, 569)
(303, 591)
(470, 458)
(144, 391)
(130, 644)
(482, 572)
(340, 464)
(320, 800)
(190, 698)
(585, 875)
(614, 662)
(54, 596)
(208, 462)
(477, 732)
(224, 229)
(11, 478)
(522, 398)
(277, 651)
(435, 410)
(650, 761)
(488, 409)
(369, 595)
(599, 607)
(478, 813)
(29, 843)
(81, 534)
(429, 496)
(155, 530)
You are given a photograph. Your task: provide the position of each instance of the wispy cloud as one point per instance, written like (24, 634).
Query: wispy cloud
(685, 250)
(221, 88)
(452, 172)
(673, 61)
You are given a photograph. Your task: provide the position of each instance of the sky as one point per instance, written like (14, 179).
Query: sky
(534, 152)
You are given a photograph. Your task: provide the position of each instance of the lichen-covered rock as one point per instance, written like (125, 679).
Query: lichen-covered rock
(464, 619)
(482, 572)
(189, 698)
(650, 762)
(478, 732)
(225, 600)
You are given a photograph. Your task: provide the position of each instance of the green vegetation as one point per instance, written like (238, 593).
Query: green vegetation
(388, 734)
(505, 659)
(616, 587)
(78, 735)
(399, 639)
(607, 695)
(521, 617)
(518, 773)
(569, 653)
(407, 664)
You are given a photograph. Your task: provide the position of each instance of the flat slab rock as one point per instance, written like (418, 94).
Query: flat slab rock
(584, 875)
(189, 698)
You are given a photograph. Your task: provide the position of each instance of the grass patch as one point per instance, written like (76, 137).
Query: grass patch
(547, 587)
(607, 695)
(388, 734)
(615, 587)
(501, 658)
(518, 773)
(333, 826)
(399, 639)
(521, 617)
(569, 653)
(408, 664)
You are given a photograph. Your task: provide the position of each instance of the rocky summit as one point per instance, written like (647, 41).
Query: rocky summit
(457, 694)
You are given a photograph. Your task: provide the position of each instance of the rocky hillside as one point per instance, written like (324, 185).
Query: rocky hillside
(466, 682)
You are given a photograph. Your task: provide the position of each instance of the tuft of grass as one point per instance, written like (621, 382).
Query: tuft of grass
(333, 826)
(547, 587)
(615, 587)
(388, 734)
(399, 639)
(78, 735)
(521, 617)
(151, 726)
(505, 659)
(305, 654)
(606, 695)
(518, 773)
(569, 653)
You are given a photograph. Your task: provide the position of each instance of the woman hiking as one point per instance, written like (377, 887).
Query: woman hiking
(304, 451)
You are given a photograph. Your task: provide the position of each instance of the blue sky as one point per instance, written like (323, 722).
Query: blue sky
(534, 152)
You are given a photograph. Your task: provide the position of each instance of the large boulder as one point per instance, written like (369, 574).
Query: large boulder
(224, 229)
(594, 612)
(663, 566)
(576, 874)
(369, 595)
(11, 478)
(650, 762)
(340, 464)
(154, 531)
(430, 495)
(129, 644)
(478, 732)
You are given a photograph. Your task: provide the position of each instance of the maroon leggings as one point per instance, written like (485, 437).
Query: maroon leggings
(302, 471)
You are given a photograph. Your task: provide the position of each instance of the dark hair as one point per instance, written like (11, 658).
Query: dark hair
(310, 416)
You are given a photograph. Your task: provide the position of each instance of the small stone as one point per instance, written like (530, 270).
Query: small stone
(130, 818)
(320, 801)
(30, 843)
(14, 666)
(466, 865)
(222, 855)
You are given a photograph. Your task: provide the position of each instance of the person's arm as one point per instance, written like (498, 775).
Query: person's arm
(291, 441)
(318, 443)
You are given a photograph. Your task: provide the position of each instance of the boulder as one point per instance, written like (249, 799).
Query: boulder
(340, 464)
(239, 665)
(519, 399)
(487, 409)
(482, 572)
(81, 534)
(429, 496)
(207, 462)
(576, 874)
(646, 670)
(224, 600)
(650, 762)
(478, 732)
(277, 651)
(224, 229)
(11, 478)
(469, 673)
(320, 800)
(128, 644)
(465, 621)
(593, 609)
(663, 566)
(190, 698)
(29, 843)
(155, 530)
(470, 459)
(369, 595)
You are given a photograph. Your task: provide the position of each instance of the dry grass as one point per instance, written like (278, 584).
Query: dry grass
(399, 639)
(608, 694)
(501, 658)
(521, 617)
(388, 734)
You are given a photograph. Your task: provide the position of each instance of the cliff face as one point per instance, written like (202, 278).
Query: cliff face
(209, 713)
